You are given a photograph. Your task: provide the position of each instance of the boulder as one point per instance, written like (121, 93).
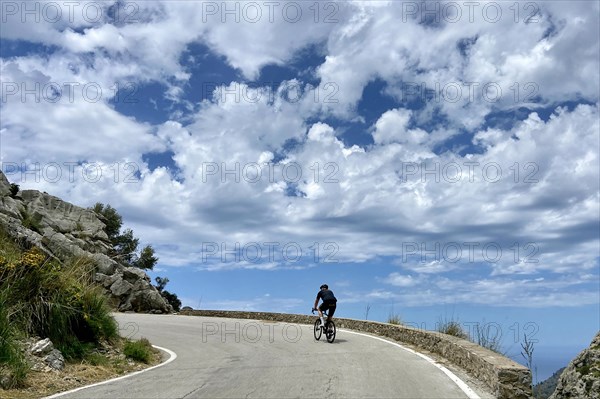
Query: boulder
(120, 287)
(42, 347)
(55, 360)
(148, 300)
(105, 280)
(104, 264)
(132, 275)
(4, 185)
(11, 207)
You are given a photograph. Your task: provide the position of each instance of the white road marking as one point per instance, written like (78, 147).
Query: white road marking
(461, 384)
(172, 357)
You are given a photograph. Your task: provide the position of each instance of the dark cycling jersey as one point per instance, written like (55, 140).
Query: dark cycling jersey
(327, 296)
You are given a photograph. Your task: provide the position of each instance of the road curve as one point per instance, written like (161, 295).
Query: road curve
(229, 358)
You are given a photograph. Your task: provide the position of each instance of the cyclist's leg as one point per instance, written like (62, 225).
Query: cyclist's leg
(320, 309)
(331, 311)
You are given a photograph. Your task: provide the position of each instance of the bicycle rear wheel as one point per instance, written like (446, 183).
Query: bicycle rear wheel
(317, 330)
(330, 333)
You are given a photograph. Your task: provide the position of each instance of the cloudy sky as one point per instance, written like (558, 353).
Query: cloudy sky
(434, 160)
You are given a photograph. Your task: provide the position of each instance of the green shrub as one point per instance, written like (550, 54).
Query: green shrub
(111, 218)
(451, 327)
(14, 190)
(73, 349)
(172, 299)
(53, 300)
(13, 367)
(78, 310)
(97, 359)
(124, 243)
(394, 318)
(138, 350)
(96, 313)
(161, 283)
(146, 260)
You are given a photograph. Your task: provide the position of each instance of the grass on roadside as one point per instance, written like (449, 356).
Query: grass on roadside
(41, 296)
(394, 318)
(140, 350)
(94, 367)
(451, 327)
(13, 366)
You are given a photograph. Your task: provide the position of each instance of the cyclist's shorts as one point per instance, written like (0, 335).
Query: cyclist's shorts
(328, 306)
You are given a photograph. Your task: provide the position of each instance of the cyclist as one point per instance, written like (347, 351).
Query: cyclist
(329, 303)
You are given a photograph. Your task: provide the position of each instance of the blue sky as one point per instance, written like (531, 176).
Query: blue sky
(438, 163)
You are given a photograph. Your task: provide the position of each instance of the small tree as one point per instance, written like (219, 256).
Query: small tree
(161, 282)
(125, 249)
(172, 299)
(169, 297)
(14, 190)
(111, 219)
(125, 246)
(147, 260)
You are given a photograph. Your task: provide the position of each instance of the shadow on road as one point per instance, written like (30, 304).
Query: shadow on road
(334, 342)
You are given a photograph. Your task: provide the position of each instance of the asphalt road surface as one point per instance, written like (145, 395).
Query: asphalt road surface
(229, 358)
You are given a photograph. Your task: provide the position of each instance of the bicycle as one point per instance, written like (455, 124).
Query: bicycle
(329, 328)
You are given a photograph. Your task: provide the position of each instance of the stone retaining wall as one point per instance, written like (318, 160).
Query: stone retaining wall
(506, 378)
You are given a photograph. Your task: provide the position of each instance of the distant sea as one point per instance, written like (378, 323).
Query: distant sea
(548, 359)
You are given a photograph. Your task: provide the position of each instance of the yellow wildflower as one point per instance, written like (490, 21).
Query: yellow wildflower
(33, 258)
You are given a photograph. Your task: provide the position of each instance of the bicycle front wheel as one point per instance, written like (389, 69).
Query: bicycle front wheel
(318, 331)
(330, 333)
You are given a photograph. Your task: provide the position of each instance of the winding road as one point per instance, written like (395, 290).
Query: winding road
(229, 358)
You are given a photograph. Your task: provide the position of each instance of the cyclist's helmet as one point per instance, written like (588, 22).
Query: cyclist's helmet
(324, 286)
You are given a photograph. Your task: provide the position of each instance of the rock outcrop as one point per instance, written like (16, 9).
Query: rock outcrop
(42, 356)
(64, 230)
(581, 378)
(42, 347)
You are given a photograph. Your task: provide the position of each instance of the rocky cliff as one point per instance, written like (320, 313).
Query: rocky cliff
(581, 378)
(64, 230)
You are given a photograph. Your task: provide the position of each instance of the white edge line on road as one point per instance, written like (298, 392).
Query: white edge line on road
(172, 357)
(461, 384)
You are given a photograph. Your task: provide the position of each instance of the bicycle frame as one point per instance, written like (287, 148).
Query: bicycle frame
(329, 328)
